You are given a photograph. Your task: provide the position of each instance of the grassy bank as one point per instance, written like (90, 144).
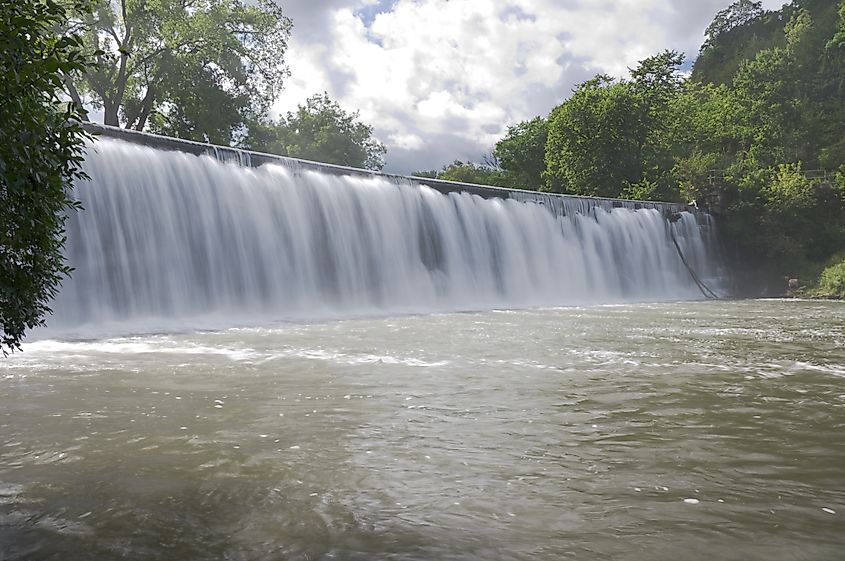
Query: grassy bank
(828, 283)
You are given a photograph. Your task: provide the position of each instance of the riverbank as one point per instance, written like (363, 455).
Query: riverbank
(829, 284)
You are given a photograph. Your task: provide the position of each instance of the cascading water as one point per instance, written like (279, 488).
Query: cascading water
(173, 235)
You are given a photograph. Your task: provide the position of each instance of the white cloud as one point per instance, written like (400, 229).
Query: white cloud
(442, 79)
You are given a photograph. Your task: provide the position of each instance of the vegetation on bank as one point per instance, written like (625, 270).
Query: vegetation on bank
(756, 134)
(826, 281)
(40, 156)
(832, 281)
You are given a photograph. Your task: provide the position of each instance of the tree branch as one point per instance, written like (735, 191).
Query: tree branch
(146, 108)
(141, 112)
(74, 95)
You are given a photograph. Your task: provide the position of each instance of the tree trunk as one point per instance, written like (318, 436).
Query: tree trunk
(138, 119)
(75, 97)
(110, 113)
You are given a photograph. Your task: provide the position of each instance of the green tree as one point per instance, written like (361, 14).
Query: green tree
(468, 172)
(790, 201)
(736, 34)
(832, 280)
(706, 130)
(741, 12)
(521, 154)
(321, 131)
(768, 93)
(198, 69)
(838, 39)
(595, 139)
(658, 82)
(40, 157)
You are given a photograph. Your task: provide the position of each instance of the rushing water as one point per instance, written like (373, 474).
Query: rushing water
(330, 426)
(167, 236)
(695, 431)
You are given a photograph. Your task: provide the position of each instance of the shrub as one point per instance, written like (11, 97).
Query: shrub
(832, 280)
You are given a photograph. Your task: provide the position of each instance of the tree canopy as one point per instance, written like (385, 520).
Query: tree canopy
(520, 154)
(737, 14)
(39, 158)
(595, 139)
(195, 69)
(320, 130)
(468, 172)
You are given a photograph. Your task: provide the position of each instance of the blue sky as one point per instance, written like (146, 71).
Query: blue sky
(441, 80)
(368, 13)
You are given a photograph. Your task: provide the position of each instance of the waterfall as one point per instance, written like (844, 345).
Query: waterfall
(169, 235)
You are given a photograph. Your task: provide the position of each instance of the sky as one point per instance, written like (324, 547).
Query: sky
(440, 80)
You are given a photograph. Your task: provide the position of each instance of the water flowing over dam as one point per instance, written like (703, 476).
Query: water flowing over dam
(167, 234)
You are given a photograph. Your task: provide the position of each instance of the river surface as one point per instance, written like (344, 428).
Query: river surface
(694, 431)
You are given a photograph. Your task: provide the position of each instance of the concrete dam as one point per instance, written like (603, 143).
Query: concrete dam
(184, 233)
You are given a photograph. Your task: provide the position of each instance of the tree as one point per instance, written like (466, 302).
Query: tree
(322, 131)
(737, 14)
(488, 173)
(468, 172)
(196, 69)
(521, 154)
(832, 88)
(595, 139)
(768, 93)
(708, 128)
(838, 40)
(736, 34)
(40, 157)
(658, 82)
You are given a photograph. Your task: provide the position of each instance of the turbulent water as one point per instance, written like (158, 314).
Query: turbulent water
(322, 420)
(636, 432)
(168, 236)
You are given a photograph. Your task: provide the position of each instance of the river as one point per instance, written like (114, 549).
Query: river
(695, 431)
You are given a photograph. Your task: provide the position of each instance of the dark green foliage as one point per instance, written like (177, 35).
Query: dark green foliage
(781, 114)
(322, 131)
(737, 33)
(595, 139)
(199, 70)
(832, 280)
(40, 156)
(613, 138)
(741, 12)
(520, 154)
(468, 172)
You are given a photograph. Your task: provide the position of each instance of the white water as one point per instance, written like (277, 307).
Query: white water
(167, 236)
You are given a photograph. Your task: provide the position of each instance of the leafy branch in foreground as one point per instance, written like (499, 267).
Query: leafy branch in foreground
(40, 158)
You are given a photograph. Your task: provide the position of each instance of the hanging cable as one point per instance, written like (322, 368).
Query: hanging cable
(701, 286)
